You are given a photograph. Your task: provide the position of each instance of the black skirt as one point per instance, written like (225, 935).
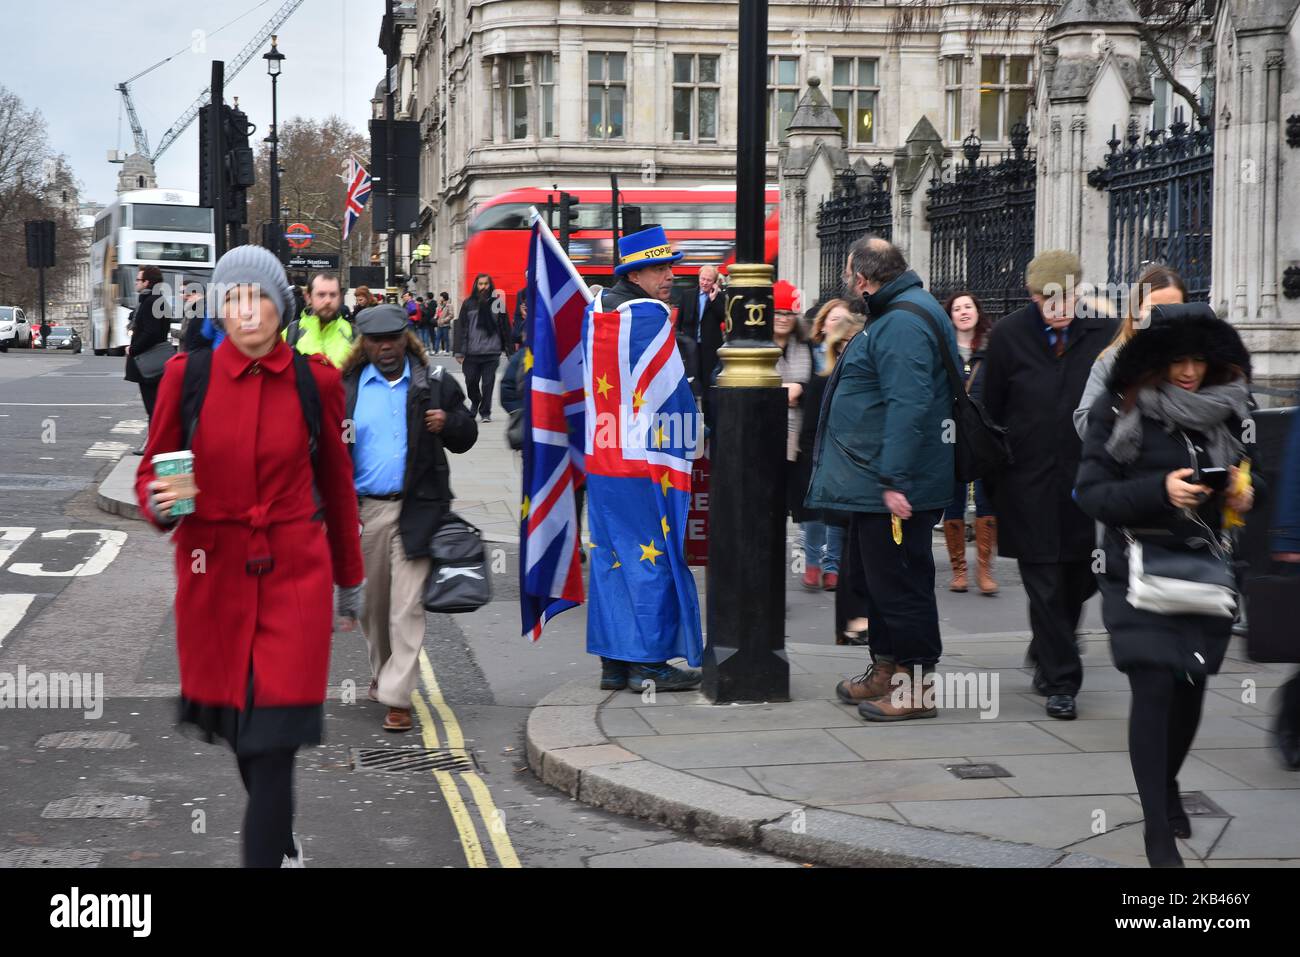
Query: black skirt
(255, 730)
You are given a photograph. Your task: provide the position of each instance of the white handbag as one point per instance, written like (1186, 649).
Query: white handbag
(1169, 581)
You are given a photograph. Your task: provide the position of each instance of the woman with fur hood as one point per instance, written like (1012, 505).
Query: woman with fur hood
(1174, 406)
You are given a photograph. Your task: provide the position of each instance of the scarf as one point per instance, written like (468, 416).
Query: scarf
(1206, 411)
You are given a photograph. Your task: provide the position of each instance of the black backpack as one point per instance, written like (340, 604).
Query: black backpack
(194, 387)
(982, 447)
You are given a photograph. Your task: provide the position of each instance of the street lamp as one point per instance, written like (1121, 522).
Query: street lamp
(745, 656)
(274, 64)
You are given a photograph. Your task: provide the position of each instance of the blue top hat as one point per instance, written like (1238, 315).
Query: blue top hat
(644, 248)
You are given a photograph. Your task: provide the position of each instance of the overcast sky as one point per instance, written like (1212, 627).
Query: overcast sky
(74, 53)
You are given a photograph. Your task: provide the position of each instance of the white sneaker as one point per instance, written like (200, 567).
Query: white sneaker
(298, 860)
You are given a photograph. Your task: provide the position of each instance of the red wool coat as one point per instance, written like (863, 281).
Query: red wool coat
(254, 475)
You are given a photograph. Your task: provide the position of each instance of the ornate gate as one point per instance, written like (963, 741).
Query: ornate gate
(846, 217)
(982, 225)
(1161, 202)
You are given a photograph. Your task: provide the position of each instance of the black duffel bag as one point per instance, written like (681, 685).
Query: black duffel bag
(982, 448)
(458, 581)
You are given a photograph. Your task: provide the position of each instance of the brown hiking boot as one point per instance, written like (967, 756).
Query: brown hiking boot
(903, 702)
(872, 683)
(954, 533)
(986, 540)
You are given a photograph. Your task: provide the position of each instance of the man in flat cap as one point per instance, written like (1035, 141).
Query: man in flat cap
(1035, 368)
(404, 416)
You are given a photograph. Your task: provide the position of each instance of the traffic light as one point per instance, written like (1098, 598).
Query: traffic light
(631, 220)
(40, 243)
(568, 218)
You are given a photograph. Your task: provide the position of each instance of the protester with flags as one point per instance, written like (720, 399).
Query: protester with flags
(643, 432)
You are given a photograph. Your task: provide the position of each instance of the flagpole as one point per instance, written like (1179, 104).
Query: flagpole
(744, 659)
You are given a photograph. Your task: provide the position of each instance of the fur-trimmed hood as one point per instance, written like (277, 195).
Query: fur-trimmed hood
(1176, 331)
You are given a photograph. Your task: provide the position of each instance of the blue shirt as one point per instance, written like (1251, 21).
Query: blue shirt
(212, 332)
(380, 420)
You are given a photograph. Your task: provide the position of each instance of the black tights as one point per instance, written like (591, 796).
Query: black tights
(1165, 712)
(268, 819)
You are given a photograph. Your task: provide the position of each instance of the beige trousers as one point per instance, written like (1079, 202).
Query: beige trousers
(393, 622)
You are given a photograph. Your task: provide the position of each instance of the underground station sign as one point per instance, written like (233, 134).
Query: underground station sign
(323, 261)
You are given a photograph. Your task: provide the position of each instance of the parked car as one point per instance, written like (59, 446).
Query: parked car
(63, 337)
(15, 330)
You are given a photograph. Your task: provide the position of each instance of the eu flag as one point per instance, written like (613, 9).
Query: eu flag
(642, 434)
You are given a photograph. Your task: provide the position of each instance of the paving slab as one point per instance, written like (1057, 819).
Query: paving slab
(794, 715)
(623, 722)
(1257, 767)
(735, 777)
(1048, 822)
(739, 748)
(916, 739)
(872, 782)
(1104, 772)
(1111, 734)
(1123, 845)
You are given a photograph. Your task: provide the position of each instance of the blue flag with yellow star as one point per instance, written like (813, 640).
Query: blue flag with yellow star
(643, 431)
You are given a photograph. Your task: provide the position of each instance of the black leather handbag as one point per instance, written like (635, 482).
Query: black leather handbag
(458, 581)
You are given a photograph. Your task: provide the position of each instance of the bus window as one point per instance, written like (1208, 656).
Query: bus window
(173, 252)
(594, 215)
(180, 219)
(504, 216)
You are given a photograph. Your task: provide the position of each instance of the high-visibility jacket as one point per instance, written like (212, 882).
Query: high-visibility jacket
(335, 342)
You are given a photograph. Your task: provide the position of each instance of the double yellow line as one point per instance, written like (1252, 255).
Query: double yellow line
(488, 814)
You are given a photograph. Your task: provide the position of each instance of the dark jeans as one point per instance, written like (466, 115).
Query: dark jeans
(149, 395)
(480, 378)
(1163, 717)
(851, 595)
(441, 338)
(899, 586)
(268, 819)
(983, 507)
(1056, 594)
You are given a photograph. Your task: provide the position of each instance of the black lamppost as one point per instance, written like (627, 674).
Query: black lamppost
(745, 656)
(274, 59)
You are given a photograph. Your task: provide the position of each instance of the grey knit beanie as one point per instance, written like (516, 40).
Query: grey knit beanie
(248, 266)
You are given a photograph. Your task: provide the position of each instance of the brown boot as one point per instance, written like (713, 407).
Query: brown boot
(986, 537)
(872, 683)
(954, 533)
(904, 702)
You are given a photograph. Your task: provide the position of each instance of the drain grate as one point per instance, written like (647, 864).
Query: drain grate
(49, 857)
(92, 740)
(412, 760)
(98, 805)
(1195, 803)
(968, 771)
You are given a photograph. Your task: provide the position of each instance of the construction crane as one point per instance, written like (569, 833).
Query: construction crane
(233, 67)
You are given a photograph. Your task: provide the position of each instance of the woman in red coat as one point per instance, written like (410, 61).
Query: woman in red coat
(255, 565)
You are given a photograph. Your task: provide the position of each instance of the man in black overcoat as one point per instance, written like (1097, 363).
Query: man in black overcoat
(1035, 370)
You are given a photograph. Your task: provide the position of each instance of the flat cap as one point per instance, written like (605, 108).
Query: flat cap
(381, 320)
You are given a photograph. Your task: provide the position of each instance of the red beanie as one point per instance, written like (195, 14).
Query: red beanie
(785, 298)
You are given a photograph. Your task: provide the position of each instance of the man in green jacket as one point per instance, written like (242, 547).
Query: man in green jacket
(320, 328)
(884, 452)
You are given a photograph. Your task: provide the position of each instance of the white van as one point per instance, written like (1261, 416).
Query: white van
(14, 329)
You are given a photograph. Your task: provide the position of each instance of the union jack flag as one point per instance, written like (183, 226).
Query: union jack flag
(554, 433)
(358, 192)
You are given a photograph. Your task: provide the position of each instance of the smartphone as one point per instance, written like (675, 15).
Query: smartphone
(1215, 478)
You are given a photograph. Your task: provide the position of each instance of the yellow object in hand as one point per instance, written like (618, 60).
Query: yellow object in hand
(896, 524)
(1231, 517)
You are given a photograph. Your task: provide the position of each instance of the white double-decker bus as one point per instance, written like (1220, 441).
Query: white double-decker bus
(148, 227)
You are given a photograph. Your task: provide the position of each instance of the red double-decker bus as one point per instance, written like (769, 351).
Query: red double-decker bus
(700, 222)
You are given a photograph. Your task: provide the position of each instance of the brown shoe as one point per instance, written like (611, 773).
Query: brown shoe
(906, 704)
(954, 533)
(872, 683)
(986, 540)
(398, 720)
